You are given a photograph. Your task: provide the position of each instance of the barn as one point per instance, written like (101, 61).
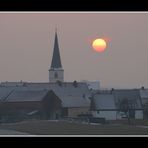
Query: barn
(111, 104)
(24, 104)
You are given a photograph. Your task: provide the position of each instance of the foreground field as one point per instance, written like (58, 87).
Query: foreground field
(64, 128)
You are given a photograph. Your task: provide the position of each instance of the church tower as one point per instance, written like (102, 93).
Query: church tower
(56, 72)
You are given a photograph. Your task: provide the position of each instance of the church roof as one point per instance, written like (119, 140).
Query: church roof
(56, 60)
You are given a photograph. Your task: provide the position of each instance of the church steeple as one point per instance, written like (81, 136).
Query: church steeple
(56, 59)
(56, 73)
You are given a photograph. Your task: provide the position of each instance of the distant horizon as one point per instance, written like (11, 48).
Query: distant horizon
(26, 47)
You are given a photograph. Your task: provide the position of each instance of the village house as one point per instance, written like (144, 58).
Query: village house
(134, 103)
(110, 104)
(103, 106)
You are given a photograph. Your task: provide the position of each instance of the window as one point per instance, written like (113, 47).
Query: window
(98, 112)
(56, 75)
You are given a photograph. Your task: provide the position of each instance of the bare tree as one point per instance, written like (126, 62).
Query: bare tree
(124, 107)
(145, 107)
(128, 107)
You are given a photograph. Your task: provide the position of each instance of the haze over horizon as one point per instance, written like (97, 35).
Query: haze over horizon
(27, 39)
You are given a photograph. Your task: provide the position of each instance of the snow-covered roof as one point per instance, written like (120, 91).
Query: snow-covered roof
(70, 95)
(74, 101)
(131, 94)
(23, 95)
(144, 93)
(4, 92)
(104, 102)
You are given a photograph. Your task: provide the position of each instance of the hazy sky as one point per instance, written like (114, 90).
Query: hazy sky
(26, 46)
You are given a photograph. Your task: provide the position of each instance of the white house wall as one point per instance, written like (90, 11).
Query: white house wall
(108, 115)
(139, 114)
(114, 115)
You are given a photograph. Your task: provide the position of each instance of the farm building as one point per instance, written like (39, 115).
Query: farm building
(75, 98)
(43, 104)
(133, 102)
(111, 104)
(51, 100)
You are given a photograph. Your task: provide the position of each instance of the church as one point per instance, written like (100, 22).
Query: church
(56, 72)
(51, 100)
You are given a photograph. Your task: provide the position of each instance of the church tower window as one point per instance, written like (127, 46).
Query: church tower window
(55, 75)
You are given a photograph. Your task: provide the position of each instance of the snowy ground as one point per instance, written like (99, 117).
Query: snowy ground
(11, 132)
(142, 126)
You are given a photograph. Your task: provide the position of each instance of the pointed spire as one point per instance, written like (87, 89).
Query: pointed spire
(56, 60)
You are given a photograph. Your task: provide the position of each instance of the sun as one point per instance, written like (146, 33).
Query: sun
(99, 45)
